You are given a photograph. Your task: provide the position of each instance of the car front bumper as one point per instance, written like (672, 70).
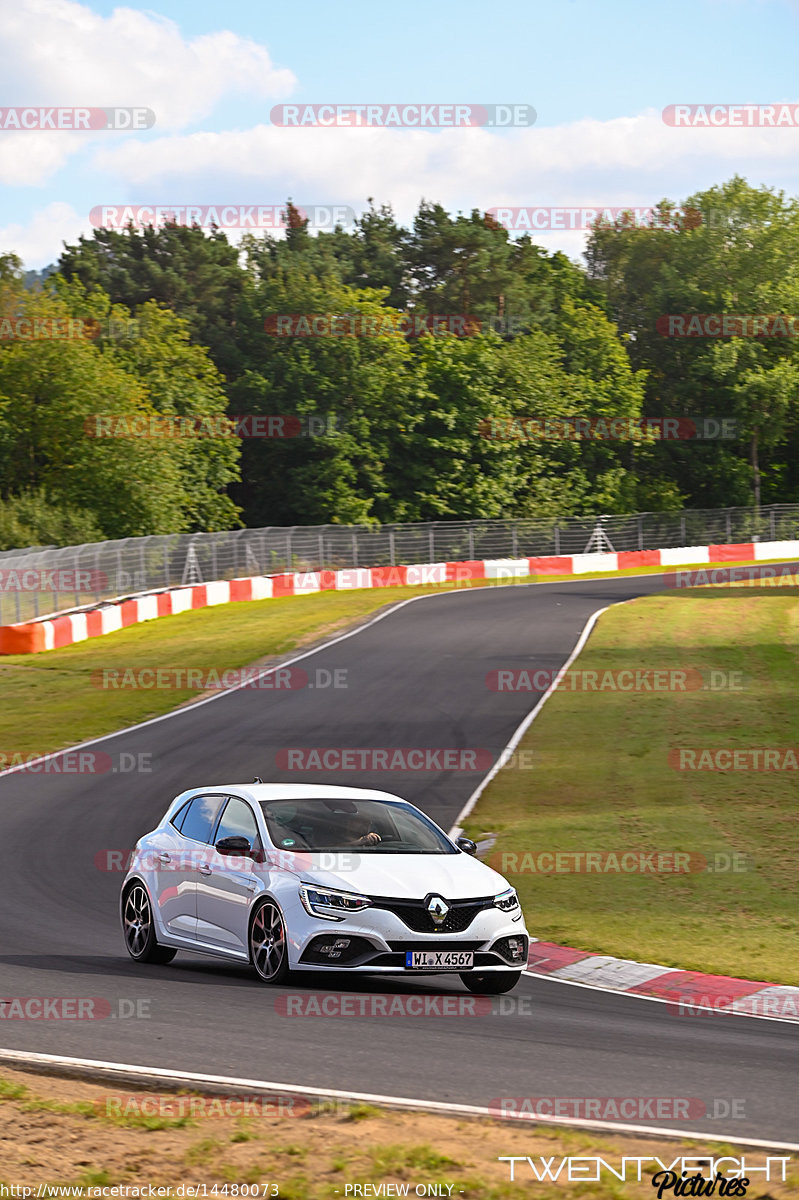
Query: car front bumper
(378, 940)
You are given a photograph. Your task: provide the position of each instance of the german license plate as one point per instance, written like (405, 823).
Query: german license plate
(439, 960)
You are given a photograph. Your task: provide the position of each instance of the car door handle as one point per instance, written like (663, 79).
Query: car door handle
(204, 870)
(164, 858)
(252, 884)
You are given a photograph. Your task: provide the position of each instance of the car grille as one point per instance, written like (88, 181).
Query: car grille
(414, 914)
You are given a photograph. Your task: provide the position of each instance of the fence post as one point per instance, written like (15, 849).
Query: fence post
(515, 542)
(640, 533)
(772, 524)
(682, 531)
(321, 552)
(557, 541)
(729, 526)
(354, 548)
(391, 546)
(471, 541)
(288, 548)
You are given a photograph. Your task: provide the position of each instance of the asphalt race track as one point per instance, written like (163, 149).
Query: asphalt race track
(416, 678)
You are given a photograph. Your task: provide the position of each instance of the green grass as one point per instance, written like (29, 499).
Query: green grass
(51, 702)
(601, 781)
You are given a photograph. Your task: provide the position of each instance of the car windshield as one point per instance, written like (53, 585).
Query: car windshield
(370, 826)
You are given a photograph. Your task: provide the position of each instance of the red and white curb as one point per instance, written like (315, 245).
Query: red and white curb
(64, 629)
(689, 993)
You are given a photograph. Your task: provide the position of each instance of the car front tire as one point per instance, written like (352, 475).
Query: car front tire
(139, 928)
(269, 951)
(490, 983)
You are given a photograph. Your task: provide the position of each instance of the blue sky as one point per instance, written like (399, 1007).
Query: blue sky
(598, 74)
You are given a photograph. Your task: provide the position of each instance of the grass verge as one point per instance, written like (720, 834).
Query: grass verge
(53, 1133)
(603, 782)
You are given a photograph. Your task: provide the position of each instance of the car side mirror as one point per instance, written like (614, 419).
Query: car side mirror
(466, 845)
(234, 845)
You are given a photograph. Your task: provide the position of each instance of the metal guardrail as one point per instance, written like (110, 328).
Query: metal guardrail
(40, 581)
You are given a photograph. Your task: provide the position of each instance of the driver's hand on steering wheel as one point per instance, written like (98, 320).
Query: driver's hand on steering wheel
(368, 839)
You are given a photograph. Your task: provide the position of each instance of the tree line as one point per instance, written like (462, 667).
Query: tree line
(448, 369)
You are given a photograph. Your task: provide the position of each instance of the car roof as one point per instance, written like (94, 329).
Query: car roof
(258, 792)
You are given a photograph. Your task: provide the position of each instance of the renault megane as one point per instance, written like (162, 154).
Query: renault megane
(291, 877)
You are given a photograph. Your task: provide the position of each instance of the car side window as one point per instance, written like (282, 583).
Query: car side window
(238, 821)
(200, 818)
(177, 820)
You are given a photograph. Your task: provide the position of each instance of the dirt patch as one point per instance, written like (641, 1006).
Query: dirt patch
(95, 1136)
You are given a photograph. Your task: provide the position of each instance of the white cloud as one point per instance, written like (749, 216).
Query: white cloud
(626, 161)
(58, 52)
(39, 242)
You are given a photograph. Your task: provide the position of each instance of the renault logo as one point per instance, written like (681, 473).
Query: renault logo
(438, 909)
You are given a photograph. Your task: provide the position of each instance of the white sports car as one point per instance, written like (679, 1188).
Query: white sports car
(292, 877)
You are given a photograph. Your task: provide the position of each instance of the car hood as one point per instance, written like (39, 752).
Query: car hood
(411, 876)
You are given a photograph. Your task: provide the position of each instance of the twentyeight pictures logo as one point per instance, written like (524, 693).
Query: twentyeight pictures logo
(402, 116)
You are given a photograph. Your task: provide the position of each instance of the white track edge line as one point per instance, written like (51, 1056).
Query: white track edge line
(88, 1066)
(531, 716)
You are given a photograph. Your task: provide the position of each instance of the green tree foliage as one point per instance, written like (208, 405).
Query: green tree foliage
(52, 390)
(739, 256)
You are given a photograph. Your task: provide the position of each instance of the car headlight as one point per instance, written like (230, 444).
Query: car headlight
(506, 901)
(329, 904)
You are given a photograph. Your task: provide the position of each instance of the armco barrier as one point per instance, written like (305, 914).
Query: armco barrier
(63, 629)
